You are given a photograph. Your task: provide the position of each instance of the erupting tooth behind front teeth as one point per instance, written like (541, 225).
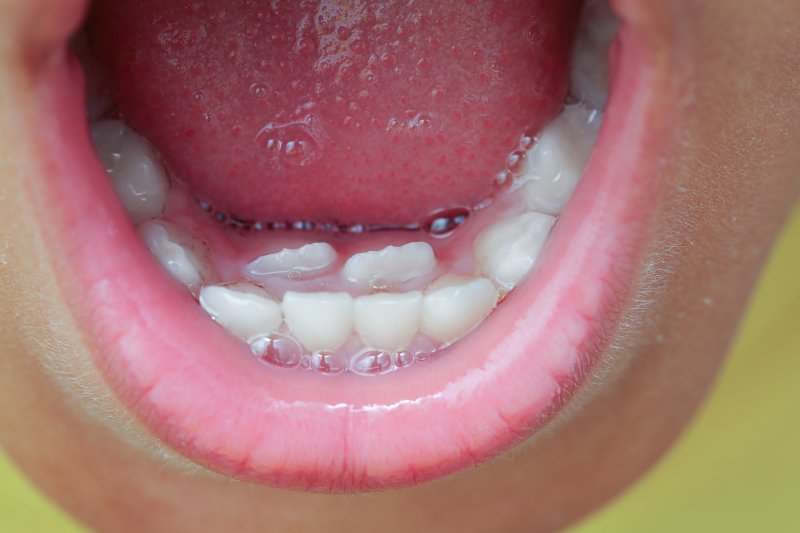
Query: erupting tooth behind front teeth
(558, 159)
(388, 321)
(450, 312)
(508, 250)
(138, 177)
(307, 259)
(393, 264)
(176, 252)
(243, 309)
(321, 321)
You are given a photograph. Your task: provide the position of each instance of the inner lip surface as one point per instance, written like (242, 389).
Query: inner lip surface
(228, 413)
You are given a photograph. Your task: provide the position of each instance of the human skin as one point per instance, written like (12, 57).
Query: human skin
(728, 117)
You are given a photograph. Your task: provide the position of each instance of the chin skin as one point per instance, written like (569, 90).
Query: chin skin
(728, 77)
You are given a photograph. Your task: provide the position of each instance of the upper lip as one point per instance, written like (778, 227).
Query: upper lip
(412, 426)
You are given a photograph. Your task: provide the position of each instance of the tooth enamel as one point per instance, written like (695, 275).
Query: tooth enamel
(507, 251)
(176, 252)
(138, 177)
(243, 309)
(558, 159)
(306, 259)
(388, 321)
(393, 264)
(319, 320)
(450, 312)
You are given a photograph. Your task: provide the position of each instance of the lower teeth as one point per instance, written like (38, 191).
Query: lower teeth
(330, 306)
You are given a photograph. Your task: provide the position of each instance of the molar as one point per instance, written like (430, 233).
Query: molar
(590, 60)
(243, 309)
(136, 173)
(393, 264)
(558, 159)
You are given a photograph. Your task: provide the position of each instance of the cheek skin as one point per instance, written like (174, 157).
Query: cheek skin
(730, 174)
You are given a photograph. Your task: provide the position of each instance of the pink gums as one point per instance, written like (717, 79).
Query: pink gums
(374, 113)
(198, 390)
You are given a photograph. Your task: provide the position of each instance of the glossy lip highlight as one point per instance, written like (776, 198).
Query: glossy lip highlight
(194, 388)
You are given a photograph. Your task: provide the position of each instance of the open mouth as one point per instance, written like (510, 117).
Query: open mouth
(273, 328)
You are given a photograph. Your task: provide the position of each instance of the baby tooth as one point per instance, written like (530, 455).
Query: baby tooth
(393, 264)
(449, 312)
(176, 252)
(558, 159)
(138, 177)
(309, 258)
(243, 309)
(507, 251)
(319, 320)
(388, 321)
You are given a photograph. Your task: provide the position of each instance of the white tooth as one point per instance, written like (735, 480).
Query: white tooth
(178, 253)
(139, 178)
(507, 251)
(306, 259)
(243, 309)
(393, 264)
(558, 158)
(388, 321)
(450, 312)
(319, 320)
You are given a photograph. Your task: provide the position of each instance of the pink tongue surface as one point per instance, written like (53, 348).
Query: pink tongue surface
(336, 111)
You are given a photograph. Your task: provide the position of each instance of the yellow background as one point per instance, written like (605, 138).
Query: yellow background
(736, 469)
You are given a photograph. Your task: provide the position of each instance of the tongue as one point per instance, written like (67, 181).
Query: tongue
(341, 111)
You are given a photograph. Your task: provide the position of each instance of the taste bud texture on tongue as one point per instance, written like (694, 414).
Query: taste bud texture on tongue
(336, 111)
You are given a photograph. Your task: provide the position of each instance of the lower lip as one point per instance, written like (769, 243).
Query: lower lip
(195, 390)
